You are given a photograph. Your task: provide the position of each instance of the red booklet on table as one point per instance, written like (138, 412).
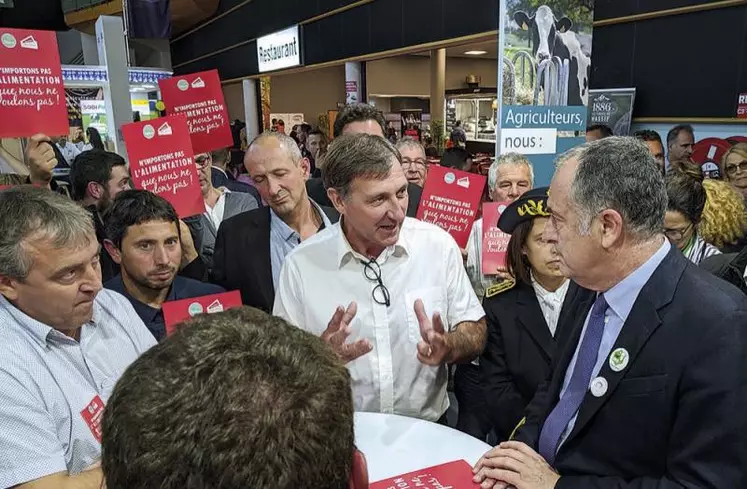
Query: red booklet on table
(454, 475)
(175, 312)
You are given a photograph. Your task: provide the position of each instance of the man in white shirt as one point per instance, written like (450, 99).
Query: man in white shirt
(68, 149)
(509, 177)
(410, 307)
(64, 342)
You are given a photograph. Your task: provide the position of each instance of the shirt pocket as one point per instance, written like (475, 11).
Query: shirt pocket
(434, 300)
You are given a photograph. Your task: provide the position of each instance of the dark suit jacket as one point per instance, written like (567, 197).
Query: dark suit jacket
(242, 257)
(729, 267)
(317, 192)
(674, 417)
(520, 349)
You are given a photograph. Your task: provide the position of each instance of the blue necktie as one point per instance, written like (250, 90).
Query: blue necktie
(568, 405)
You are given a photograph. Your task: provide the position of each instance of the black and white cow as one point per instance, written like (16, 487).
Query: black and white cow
(553, 37)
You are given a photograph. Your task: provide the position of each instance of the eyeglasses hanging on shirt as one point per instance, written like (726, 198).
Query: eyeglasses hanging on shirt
(380, 293)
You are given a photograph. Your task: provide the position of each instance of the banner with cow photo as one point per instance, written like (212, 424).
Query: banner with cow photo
(544, 51)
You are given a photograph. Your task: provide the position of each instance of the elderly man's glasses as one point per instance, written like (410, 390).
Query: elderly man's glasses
(733, 169)
(372, 270)
(417, 163)
(202, 161)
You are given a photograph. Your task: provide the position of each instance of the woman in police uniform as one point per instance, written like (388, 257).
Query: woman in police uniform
(528, 317)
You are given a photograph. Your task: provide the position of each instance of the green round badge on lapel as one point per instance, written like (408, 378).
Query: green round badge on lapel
(619, 359)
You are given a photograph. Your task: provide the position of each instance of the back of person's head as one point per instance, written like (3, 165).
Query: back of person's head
(647, 135)
(233, 400)
(133, 207)
(457, 158)
(604, 130)
(92, 166)
(676, 130)
(358, 113)
(221, 157)
(686, 194)
(618, 173)
(94, 138)
(724, 219)
(12, 179)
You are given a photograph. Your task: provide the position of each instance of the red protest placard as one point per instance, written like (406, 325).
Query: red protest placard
(742, 106)
(454, 475)
(162, 162)
(199, 96)
(450, 200)
(32, 94)
(494, 241)
(175, 312)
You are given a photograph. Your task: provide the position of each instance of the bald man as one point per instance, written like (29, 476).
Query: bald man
(251, 247)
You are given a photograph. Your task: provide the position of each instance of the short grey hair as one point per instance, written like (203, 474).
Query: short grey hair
(515, 159)
(287, 143)
(352, 156)
(411, 143)
(34, 213)
(618, 173)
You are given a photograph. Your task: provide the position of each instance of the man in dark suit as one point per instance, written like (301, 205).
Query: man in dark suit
(650, 392)
(355, 119)
(251, 247)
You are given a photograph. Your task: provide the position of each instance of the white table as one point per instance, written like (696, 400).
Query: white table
(395, 445)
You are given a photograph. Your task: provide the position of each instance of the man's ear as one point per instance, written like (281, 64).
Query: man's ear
(305, 166)
(113, 251)
(8, 288)
(612, 230)
(337, 200)
(95, 190)
(359, 473)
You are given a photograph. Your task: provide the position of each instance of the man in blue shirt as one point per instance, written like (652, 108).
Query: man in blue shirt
(651, 390)
(144, 238)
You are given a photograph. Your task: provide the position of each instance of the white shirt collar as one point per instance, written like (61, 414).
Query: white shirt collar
(345, 252)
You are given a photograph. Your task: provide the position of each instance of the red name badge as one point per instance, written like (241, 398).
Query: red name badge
(494, 241)
(92, 415)
(32, 94)
(199, 97)
(175, 312)
(453, 475)
(450, 200)
(162, 162)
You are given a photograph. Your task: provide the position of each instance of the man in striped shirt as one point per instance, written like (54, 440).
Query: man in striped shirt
(63, 342)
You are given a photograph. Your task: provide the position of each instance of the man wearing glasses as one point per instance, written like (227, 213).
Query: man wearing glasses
(414, 163)
(410, 307)
(220, 204)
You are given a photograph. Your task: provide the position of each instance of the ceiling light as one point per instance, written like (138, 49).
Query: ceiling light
(475, 53)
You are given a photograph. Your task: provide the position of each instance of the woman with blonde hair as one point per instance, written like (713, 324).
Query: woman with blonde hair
(734, 165)
(724, 220)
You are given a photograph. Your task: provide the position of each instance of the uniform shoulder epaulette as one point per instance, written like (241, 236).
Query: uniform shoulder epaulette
(498, 288)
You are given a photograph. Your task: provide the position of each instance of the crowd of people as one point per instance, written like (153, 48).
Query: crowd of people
(609, 352)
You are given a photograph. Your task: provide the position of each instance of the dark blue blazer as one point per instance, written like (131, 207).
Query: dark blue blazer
(675, 417)
(181, 288)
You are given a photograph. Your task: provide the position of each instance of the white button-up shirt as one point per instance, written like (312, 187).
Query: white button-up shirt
(551, 303)
(48, 380)
(324, 273)
(215, 214)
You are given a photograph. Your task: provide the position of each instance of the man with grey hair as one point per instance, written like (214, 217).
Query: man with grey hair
(509, 177)
(252, 246)
(409, 304)
(64, 342)
(651, 389)
(413, 160)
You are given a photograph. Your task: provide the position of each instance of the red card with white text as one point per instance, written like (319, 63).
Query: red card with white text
(175, 312)
(162, 162)
(494, 241)
(92, 415)
(199, 96)
(450, 200)
(32, 94)
(453, 475)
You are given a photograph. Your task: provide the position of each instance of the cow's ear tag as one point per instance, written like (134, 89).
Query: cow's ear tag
(524, 26)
